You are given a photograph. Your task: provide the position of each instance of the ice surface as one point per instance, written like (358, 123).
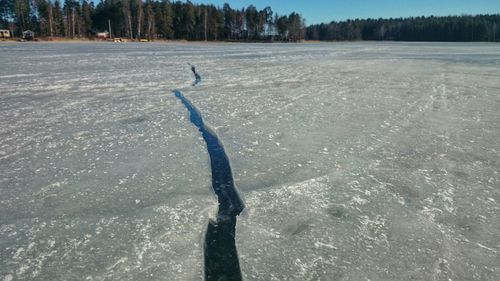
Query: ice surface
(357, 161)
(367, 161)
(102, 175)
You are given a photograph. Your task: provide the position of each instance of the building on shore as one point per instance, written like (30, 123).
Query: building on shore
(4, 34)
(28, 35)
(102, 35)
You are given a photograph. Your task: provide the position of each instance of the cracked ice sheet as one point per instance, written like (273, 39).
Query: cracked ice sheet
(102, 175)
(361, 160)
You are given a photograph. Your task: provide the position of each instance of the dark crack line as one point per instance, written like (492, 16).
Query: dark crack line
(221, 257)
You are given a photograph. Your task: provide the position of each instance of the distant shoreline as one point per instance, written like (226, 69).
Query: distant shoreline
(178, 42)
(125, 40)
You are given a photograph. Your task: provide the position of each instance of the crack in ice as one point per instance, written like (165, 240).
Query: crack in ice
(221, 258)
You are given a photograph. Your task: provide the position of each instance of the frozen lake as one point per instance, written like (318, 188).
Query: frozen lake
(356, 161)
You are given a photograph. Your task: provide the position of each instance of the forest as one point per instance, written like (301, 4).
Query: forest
(137, 19)
(463, 28)
(184, 20)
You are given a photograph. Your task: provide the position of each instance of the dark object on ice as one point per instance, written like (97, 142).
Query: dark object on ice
(221, 257)
(197, 77)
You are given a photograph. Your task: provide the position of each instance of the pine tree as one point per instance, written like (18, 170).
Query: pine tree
(251, 19)
(22, 15)
(86, 15)
(138, 17)
(164, 19)
(58, 19)
(150, 20)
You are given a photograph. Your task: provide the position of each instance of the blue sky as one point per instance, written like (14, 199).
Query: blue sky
(316, 11)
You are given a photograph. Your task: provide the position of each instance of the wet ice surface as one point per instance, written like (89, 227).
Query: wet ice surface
(359, 161)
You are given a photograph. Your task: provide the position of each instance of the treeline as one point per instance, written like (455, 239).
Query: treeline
(136, 19)
(451, 29)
